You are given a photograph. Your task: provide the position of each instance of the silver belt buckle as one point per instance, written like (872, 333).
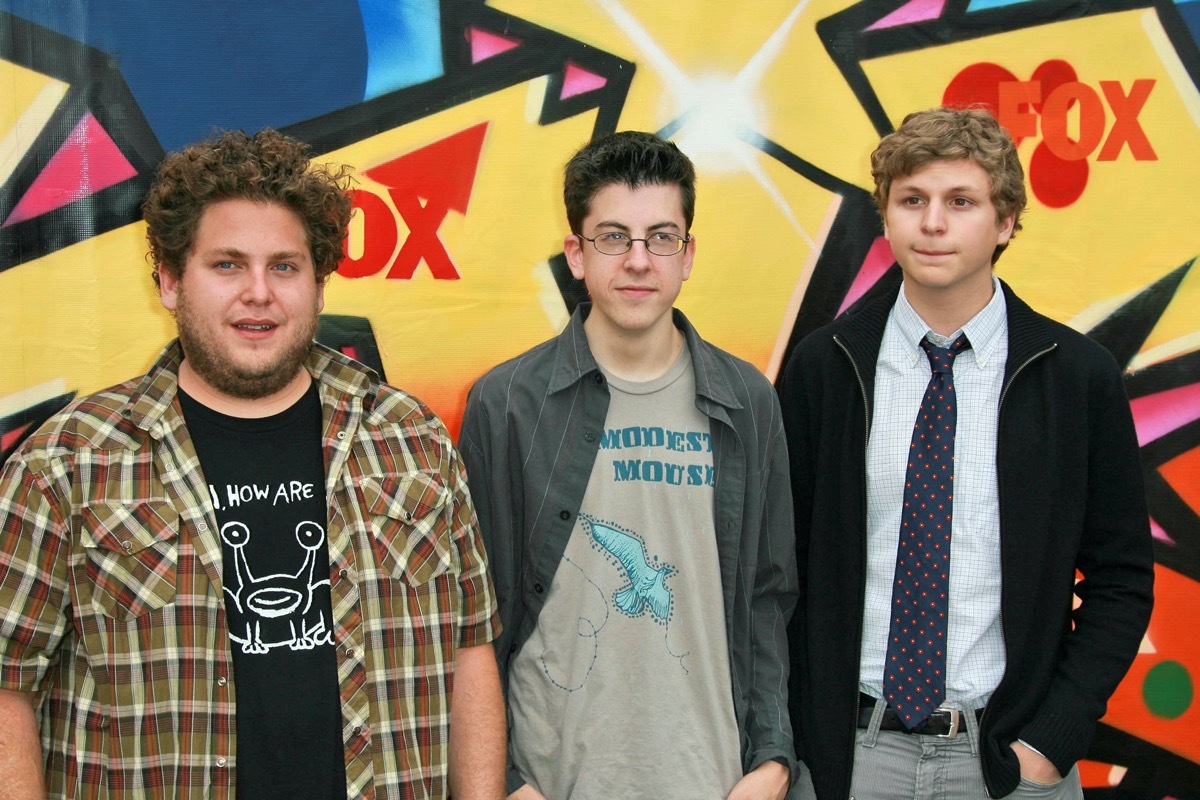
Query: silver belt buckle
(955, 719)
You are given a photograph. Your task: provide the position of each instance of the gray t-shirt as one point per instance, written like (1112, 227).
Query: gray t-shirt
(624, 688)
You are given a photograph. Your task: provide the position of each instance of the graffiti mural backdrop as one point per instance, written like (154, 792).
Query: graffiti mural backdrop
(458, 116)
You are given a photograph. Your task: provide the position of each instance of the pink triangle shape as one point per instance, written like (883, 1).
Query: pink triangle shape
(89, 161)
(914, 11)
(485, 44)
(877, 261)
(1155, 415)
(578, 80)
(1157, 531)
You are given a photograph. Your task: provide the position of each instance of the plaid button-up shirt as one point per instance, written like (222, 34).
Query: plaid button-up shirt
(111, 604)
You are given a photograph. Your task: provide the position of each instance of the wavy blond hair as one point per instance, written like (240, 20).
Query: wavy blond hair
(951, 134)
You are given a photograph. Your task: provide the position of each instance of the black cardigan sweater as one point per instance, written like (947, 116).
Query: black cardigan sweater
(1071, 498)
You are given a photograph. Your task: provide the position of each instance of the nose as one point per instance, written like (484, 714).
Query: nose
(638, 257)
(256, 287)
(934, 219)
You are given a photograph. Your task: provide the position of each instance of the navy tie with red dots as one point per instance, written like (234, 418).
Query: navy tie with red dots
(914, 675)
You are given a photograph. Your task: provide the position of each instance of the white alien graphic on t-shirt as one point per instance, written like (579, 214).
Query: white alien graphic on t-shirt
(278, 609)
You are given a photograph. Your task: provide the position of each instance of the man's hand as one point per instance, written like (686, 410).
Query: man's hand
(767, 781)
(527, 792)
(1035, 766)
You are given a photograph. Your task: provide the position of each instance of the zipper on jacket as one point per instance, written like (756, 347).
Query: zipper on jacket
(1016, 372)
(862, 387)
(1003, 639)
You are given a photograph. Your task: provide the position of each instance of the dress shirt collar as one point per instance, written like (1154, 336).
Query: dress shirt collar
(155, 391)
(983, 330)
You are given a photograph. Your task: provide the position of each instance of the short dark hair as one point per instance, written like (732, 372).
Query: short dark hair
(950, 134)
(267, 167)
(630, 158)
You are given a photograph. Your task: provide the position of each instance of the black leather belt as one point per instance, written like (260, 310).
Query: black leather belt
(943, 722)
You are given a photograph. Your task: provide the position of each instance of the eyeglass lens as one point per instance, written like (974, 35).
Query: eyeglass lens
(660, 244)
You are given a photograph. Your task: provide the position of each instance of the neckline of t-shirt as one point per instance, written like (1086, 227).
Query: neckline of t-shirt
(676, 371)
(294, 413)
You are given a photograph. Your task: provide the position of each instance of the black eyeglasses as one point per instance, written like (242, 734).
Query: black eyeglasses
(614, 243)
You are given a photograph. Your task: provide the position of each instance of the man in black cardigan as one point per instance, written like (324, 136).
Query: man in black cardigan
(1046, 487)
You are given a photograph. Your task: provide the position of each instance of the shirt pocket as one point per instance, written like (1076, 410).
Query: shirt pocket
(132, 555)
(409, 537)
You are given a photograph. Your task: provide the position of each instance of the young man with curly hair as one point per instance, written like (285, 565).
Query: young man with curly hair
(631, 482)
(254, 570)
(937, 648)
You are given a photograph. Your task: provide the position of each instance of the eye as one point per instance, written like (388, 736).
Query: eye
(961, 202)
(612, 237)
(911, 200)
(235, 534)
(309, 535)
(225, 265)
(284, 267)
(663, 238)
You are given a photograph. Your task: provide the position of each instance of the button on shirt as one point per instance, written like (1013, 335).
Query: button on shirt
(975, 657)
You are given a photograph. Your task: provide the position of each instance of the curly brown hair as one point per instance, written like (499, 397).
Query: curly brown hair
(950, 134)
(267, 167)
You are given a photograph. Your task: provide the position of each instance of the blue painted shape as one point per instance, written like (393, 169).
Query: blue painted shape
(1190, 11)
(404, 43)
(196, 65)
(983, 5)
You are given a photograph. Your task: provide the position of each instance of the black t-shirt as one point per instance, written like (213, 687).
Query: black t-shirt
(267, 481)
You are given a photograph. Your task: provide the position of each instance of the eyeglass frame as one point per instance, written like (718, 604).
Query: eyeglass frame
(683, 243)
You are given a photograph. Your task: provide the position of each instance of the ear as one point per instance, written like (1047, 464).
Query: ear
(320, 297)
(573, 250)
(168, 287)
(689, 253)
(1006, 229)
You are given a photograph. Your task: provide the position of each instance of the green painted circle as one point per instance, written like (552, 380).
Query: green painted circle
(1168, 689)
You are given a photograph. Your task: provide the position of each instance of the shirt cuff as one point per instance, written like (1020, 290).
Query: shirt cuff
(1031, 747)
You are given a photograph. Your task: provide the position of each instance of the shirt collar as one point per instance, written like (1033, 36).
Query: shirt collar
(983, 330)
(575, 360)
(156, 390)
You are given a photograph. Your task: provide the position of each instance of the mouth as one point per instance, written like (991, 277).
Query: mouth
(254, 329)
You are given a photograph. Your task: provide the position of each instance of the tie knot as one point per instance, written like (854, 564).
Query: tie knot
(941, 359)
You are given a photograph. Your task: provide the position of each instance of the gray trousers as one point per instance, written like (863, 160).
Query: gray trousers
(892, 765)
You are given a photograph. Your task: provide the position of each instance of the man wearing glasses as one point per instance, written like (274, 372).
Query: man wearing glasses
(631, 482)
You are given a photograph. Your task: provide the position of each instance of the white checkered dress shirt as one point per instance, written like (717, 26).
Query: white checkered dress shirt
(975, 659)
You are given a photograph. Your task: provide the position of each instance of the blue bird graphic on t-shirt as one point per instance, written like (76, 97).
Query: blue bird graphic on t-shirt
(647, 584)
